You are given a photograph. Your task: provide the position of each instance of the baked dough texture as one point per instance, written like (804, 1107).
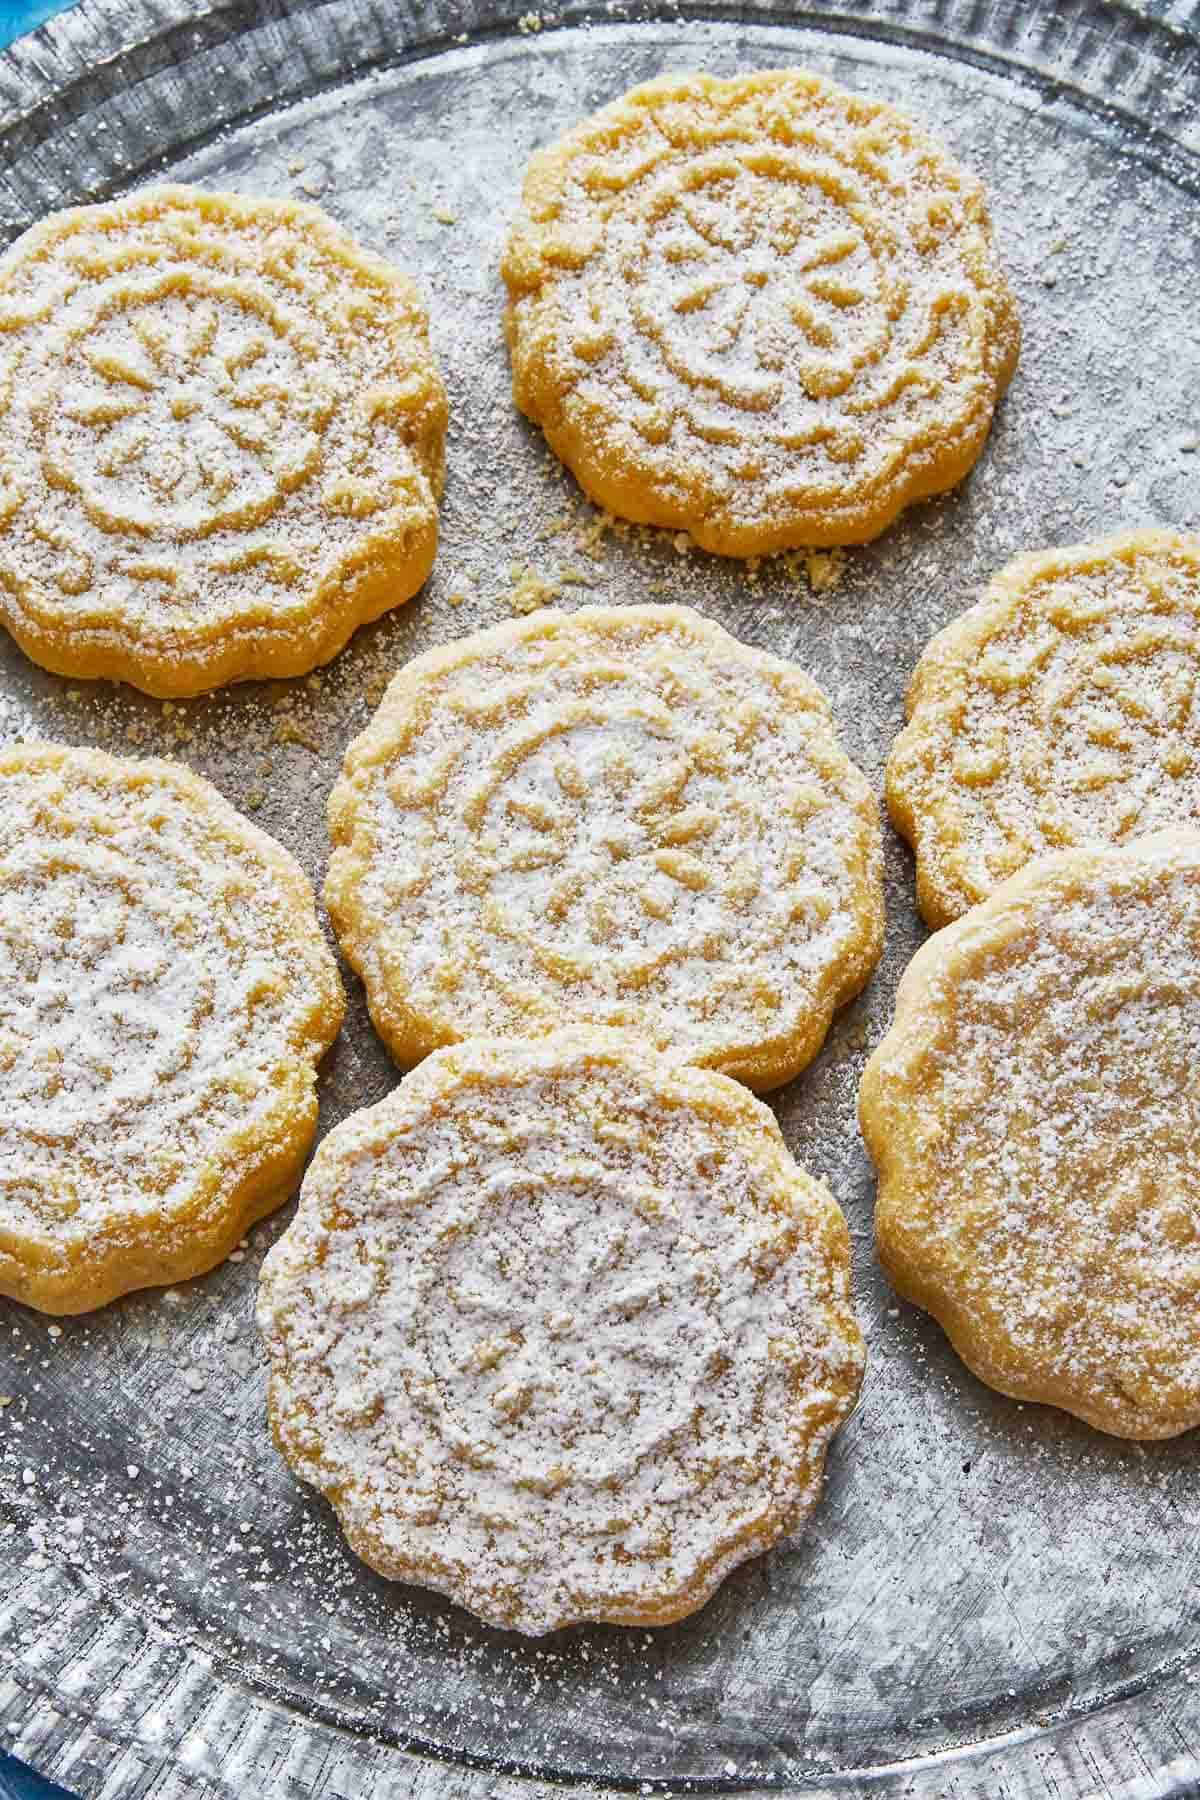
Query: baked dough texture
(165, 994)
(619, 816)
(561, 1331)
(1034, 1114)
(221, 436)
(764, 310)
(1062, 710)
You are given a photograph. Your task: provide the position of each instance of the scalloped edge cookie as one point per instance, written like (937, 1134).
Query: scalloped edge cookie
(164, 1248)
(299, 1324)
(900, 1142)
(540, 246)
(938, 691)
(409, 1034)
(387, 566)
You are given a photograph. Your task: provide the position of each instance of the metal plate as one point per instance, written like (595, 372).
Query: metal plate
(992, 1600)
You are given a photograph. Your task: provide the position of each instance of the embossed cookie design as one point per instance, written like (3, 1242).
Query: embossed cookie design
(621, 817)
(764, 310)
(1062, 710)
(221, 436)
(1034, 1114)
(561, 1330)
(165, 995)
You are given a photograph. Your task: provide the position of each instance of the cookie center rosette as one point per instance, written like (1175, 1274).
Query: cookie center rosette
(185, 406)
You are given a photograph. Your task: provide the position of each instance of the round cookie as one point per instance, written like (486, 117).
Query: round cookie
(165, 994)
(1034, 1114)
(561, 1330)
(221, 436)
(619, 816)
(764, 310)
(1062, 710)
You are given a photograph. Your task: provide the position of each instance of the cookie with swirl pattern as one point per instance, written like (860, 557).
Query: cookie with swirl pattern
(221, 439)
(1034, 1114)
(765, 310)
(165, 995)
(1062, 710)
(619, 816)
(561, 1330)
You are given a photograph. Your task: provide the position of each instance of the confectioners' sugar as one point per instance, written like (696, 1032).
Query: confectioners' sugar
(220, 439)
(763, 309)
(1062, 710)
(164, 996)
(561, 1330)
(1035, 1116)
(620, 816)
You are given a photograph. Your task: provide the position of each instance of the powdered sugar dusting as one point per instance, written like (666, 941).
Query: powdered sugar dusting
(560, 1332)
(764, 309)
(1063, 709)
(214, 412)
(622, 817)
(163, 1000)
(1044, 1195)
(937, 1598)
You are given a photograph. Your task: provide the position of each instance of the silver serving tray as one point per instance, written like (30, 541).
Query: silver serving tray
(993, 1601)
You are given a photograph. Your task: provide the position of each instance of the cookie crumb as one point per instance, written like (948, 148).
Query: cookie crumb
(821, 569)
(293, 731)
(530, 591)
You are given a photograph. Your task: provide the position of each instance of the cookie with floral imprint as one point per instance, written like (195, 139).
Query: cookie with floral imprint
(1034, 1115)
(165, 996)
(619, 816)
(561, 1331)
(764, 310)
(1060, 711)
(221, 439)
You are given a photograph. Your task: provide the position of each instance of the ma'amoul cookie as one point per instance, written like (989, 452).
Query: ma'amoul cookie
(1034, 1114)
(619, 816)
(221, 438)
(764, 310)
(1060, 711)
(165, 994)
(561, 1330)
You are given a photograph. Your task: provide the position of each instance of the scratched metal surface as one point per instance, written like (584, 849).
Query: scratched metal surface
(992, 1600)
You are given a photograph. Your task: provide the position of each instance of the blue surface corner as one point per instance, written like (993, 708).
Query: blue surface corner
(16, 1781)
(18, 17)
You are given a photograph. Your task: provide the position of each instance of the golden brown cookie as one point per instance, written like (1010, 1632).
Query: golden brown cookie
(764, 310)
(1063, 710)
(220, 439)
(561, 1330)
(165, 994)
(619, 816)
(1034, 1114)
